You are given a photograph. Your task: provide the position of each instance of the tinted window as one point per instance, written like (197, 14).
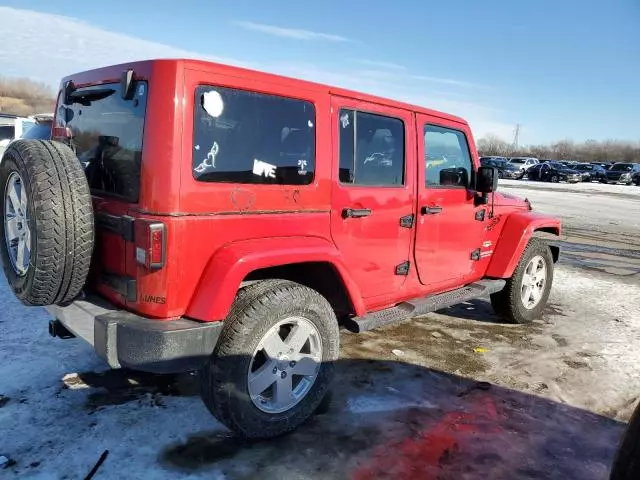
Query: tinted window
(40, 131)
(248, 137)
(624, 167)
(26, 125)
(107, 135)
(448, 162)
(7, 132)
(371, 149)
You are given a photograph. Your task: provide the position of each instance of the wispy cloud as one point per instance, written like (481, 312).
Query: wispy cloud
(447, 81)
(400, 74)
(294, 33)
(85, 46)
(376, 64)
(81, 46)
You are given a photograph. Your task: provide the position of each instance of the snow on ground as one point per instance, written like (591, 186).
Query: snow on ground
(407, 397)
(586, 187)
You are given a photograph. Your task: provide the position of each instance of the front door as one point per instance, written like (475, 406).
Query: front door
(447, 231)
(374, 175)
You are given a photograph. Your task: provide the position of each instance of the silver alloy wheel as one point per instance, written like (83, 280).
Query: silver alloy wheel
(533, 283)
(285, 365)
(17, 233)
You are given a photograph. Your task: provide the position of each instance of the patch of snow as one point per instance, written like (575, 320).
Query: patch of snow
(376, 404)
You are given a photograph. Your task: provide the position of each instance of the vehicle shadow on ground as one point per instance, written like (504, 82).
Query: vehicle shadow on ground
(389, 419)
(479, 310)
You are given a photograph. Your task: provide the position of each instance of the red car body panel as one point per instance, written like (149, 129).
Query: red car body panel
(517, 230)
(218, 233)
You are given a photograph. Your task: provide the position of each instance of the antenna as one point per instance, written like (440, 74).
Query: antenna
(515, 137)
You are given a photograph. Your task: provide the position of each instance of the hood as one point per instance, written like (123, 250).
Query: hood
(569, 171)
(502, 199)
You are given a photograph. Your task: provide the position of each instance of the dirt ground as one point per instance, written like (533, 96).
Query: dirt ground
(451, 395)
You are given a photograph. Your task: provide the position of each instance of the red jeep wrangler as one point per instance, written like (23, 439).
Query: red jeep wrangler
(194, 216)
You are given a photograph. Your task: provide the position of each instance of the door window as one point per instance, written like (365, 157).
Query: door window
(371, 149)
(447, 158)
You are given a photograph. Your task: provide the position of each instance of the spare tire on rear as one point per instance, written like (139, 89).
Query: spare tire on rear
(46, 230)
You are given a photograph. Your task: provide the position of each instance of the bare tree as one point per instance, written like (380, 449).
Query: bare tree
(22, 96)
(588, 151)
(492, 145)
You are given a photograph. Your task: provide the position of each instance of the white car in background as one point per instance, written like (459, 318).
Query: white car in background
(525, 163)
(12, 127)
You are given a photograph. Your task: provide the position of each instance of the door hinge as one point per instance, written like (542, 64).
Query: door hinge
(407, 221)
(475, 255)
(403, 268)
(480, 215)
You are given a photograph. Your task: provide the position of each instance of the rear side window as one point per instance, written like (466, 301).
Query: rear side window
(107, 133)
(371, 149)
(448, 163)
(248, 137)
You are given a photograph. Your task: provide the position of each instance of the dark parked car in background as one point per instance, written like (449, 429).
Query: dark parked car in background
(636, 178)
(621, 173)
(554, 172)
(590, 172)
(505, 169)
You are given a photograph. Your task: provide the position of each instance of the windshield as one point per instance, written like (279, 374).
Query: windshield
(517, 160)
(621, 167)
(7, 132)
(107, 135)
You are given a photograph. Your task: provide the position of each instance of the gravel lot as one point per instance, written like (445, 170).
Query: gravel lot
(408, 400)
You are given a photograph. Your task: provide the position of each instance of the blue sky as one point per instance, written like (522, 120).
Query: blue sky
(562, 69)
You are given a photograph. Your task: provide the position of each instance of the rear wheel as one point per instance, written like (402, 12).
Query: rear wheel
(274, 361)
(526, 293)
(47, 222)
(555, 179)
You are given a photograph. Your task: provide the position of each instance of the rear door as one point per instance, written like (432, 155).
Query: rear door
(447, 230)
(373, 196)
(106, 133)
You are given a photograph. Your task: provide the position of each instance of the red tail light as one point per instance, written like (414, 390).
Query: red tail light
(151, 244)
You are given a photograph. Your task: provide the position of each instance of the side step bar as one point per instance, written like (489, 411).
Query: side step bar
(422, 306)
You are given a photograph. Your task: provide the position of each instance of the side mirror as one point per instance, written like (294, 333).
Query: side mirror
(487, 180)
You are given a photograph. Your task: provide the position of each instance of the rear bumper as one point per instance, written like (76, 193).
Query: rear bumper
(126, 340)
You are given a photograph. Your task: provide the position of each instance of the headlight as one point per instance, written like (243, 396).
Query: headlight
(625, 176)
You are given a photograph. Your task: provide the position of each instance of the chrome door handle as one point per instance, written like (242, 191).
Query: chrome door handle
(355, 212)
(430, 210)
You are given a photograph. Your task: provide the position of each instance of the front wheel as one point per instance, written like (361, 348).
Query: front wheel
(555, 179)
(526, 293)
(274, 361)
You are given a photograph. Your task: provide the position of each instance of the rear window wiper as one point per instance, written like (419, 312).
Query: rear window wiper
(85, 97)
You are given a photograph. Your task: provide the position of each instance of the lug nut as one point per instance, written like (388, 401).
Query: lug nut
(275, 369)
(292, 364)
(283, 375)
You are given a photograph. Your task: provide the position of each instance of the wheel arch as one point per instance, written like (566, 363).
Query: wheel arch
(519, 228)
(310, 261)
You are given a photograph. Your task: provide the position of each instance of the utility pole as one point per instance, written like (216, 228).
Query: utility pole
(515, 137)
